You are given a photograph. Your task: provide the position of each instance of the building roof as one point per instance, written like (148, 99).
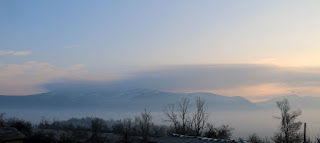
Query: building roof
(9, 133)
(171, 139)
(176, 138)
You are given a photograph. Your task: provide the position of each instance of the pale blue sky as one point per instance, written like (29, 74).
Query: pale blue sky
(121, 37)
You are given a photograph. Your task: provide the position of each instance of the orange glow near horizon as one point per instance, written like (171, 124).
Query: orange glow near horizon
(263, 92)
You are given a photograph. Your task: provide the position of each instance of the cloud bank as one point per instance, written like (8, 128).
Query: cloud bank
(208, 77)
(253, 81)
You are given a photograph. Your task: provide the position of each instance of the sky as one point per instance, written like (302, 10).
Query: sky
(254, 49)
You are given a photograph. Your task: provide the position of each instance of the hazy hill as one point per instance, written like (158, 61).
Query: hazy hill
(137, 99)
(300, 102)
(129, 99)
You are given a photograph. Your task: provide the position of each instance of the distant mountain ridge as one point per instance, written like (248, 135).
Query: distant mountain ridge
(130, 99)
(137, 99)
(298, 102)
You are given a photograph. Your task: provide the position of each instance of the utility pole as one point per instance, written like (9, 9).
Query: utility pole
(304, 133)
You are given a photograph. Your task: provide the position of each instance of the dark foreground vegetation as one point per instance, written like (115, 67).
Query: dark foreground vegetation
(186, 117)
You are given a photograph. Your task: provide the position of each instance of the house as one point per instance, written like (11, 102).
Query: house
(11, 135)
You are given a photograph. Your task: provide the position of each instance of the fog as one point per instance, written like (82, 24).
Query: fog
(245, 122)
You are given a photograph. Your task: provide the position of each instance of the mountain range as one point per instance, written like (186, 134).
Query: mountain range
(137, 99)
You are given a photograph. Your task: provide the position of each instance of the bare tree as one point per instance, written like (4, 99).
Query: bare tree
(224, 131)
(97, 127)
(159, 130)
(289, 126)
(178, 115)
(125, 128)
(171, 116)
(221, 132)
(211, 131)
(183, 109)
(22, 125)
(254, 138)
(200, 116)
(2, 120)
(145, 123)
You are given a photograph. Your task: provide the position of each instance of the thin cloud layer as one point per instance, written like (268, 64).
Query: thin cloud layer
(223, 76)
(72, 46)
(16, 53)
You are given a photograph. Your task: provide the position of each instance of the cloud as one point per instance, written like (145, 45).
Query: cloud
(27, 78)
(253, 81)
(16, 53)
(22, 53)
(203, 77)
(6, 52)
(75, 67)
(72, 46)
